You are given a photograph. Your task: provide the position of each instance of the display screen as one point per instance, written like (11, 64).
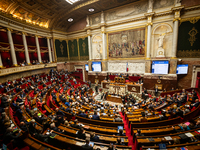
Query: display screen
(96, 66)
(160, 67)
(86, 67)
(182, 69)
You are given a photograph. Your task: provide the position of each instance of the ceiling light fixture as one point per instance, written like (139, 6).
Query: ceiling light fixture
(91, 9)
(70, 19)
(72, 1)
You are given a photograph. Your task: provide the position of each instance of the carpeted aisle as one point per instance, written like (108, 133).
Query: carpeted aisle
(128, 133)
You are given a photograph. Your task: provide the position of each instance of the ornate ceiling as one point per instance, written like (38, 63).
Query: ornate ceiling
(54, 14)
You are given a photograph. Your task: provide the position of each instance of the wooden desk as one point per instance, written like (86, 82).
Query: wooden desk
(115, 99)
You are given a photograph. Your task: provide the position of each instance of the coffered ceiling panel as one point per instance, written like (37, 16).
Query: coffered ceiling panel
(54, 14)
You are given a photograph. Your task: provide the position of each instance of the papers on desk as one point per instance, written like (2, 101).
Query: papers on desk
(151, 139)
(187, 123)
(189, 134)
(122, 139)
(79, 143)
(168, 138)
(53, 135)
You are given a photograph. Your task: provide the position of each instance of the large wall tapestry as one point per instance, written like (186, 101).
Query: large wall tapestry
(83, 48)
(73, 49)
(127, 44)
(189, 38)
(61, 50)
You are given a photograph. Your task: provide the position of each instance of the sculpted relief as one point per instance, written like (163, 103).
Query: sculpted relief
(97, 46)
(121, 12)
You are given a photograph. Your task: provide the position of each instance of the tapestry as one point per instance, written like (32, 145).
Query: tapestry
(61, 50)
(189, 38)
(83, 48)
(73, 49)
(127, 44)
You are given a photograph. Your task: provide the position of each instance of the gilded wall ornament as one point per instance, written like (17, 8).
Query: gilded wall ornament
(192, 34)
(72, 48)
(61, 49)
(84, 45)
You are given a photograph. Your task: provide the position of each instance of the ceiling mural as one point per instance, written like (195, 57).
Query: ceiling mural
(54, 14)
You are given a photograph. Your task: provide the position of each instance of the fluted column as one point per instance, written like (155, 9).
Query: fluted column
(26, 48)
(38, 49)
(49, 48)
(175, 38)
(104, 53)
(148, 40)
(12, 49)
(53, 51)
(1, 64)
(89, 45)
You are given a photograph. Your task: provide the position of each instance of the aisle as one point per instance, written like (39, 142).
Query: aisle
(128, 133)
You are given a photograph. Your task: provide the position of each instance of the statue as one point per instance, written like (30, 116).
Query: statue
(160, 51)
(98, 56)
(160, 40)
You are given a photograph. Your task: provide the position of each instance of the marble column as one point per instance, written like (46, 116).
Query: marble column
(12, 49)
(26, 48)
(49, 48)
(1, 64)
(104, 53)
(89, 45)
(175, 38)
(53, 52)
(148, 40)
(38, 49)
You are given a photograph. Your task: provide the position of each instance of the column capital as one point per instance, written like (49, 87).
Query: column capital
(149, 24)
(176, 19)
(36, 35)
(103, 30)
(9, 29)
(24, 33)
(48, 37)
(89, 32)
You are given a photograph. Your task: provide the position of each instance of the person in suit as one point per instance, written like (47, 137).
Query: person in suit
(156, 91)
(118, 118)
(32, 129)
(87, 146)
(81, 134)
(121, 133)
(11, 137)
(42, 137)
(94, 137)
(95, 116)
(75, 125)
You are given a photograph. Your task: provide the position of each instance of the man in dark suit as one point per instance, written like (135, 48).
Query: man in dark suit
(87, 146)
(156, 91)
(10, 136)
(95, 116)
(75, 125)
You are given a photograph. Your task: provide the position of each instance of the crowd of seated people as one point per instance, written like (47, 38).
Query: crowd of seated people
(26, 94)
(36, 84)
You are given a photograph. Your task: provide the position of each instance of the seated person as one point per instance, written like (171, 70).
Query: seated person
(119, 142)
(94, 137)
(139, 133)
(95, 116)
(111, 147)
(81, 134)
(143, 119)
(75, 125)
(121, 133)
(41, 136)
(87, 146)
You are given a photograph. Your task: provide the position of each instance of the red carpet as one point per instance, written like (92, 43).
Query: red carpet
(128, 133)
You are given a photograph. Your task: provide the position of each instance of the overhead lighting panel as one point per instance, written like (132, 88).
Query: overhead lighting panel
(72, 1)
(91, 9)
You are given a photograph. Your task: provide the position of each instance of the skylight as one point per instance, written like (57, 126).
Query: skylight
(72, 1)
